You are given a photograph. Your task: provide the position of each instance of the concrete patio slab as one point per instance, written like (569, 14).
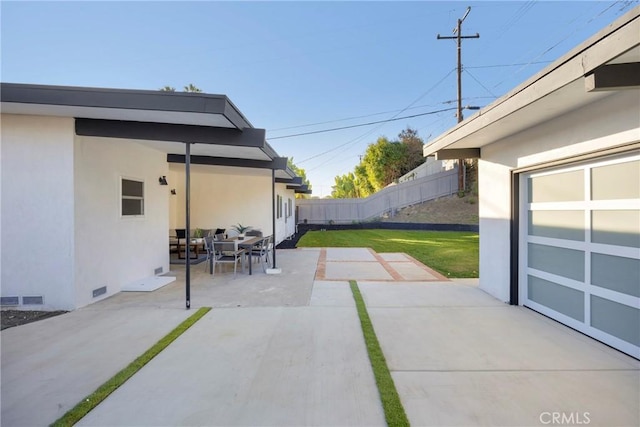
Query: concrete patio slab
(428, 294)
(332, 294)
(50, 365)
(356, 271)
(394, 256)
(477, 361)
(256, 366)
(486, 338)
(520, 398)
(290, 288)
(411, 271)
(350, 254)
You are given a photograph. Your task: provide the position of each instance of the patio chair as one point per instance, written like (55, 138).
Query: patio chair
(208, 245)
(261, 252)
(257, 233)
(227, 253)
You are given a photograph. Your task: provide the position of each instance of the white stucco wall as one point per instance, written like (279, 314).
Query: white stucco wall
(224, 196)
(285, 225)
(610, 122)
(111, 250)
(37, 232)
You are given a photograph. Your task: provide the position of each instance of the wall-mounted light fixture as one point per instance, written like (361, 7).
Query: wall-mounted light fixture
(163, 180)
(173, 191)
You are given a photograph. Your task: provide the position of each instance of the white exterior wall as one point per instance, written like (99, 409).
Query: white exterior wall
(610, 122)
(285, 225)
(37, 231)
(224, 196)
(110, 250)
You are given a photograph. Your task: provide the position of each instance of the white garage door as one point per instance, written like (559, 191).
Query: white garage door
(580, 248)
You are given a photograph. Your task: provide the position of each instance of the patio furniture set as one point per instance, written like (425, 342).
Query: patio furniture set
(222, 249)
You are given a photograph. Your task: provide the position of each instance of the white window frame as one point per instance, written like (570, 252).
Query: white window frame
(122, 197)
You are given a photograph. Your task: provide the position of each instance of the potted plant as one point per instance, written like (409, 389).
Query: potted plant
(197, 236)
(241, 229)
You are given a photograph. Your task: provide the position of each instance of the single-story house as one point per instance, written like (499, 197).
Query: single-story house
(559, 187)
(92, 180)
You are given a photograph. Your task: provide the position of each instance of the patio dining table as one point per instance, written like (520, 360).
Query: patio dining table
(248, 243)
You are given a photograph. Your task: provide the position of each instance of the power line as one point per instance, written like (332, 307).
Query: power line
(382, 124)
(359, 117)
(507, 65)
(478, 81)
(363, 124)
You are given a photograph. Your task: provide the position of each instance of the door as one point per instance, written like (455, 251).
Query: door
(579, 248)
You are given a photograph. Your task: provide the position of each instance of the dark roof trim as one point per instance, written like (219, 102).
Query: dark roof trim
(614, 77)
(300, 190)
(293, 181)
(278, 163)
(249, 137)
(126, 99)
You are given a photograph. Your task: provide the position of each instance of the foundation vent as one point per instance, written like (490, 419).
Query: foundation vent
(9, 300)
(33, 300)
(99, 291)
(157, 271)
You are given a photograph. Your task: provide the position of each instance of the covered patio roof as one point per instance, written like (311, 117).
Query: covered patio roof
(587, 73)
(165, 121)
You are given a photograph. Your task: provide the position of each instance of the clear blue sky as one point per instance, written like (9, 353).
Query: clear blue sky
(288, 64)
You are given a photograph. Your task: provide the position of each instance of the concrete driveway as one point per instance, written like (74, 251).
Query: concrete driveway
(287, 350)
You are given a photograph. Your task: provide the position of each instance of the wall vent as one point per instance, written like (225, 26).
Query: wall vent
(99, 291)
(9, 300)
(33, 300)
(157, 271)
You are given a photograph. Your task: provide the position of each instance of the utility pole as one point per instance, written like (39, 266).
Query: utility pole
(458, 37)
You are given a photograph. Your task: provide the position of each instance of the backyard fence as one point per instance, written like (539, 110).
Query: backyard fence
(385, 202)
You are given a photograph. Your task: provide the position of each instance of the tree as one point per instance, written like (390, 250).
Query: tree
(345, 187)
(189, 88)
(302, 174)
(192, 88)
(383, 162)
(364, 186)
(413, 146)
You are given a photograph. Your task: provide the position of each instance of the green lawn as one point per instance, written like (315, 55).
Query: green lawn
(452, 253)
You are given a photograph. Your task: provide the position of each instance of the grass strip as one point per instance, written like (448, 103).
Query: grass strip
(76, 413)
(393, 409)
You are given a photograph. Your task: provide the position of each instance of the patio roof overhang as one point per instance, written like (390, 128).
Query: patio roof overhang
(295, 184)
(580, 77)
(165, 121)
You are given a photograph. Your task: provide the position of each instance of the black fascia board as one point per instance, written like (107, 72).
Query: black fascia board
(301, 190)
(269, 150)
(126, 99)
(249, 137)
(290, 181)
(274, 164)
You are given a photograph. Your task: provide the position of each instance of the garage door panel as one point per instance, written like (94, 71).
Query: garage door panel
(568, 225)
(616, 181)
(616, 273)
(559, 187)
(616, 319)
(563, 262)
(620, 228)
(562, 299)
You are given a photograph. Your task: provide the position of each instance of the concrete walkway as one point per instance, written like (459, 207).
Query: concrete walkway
(287, 350)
